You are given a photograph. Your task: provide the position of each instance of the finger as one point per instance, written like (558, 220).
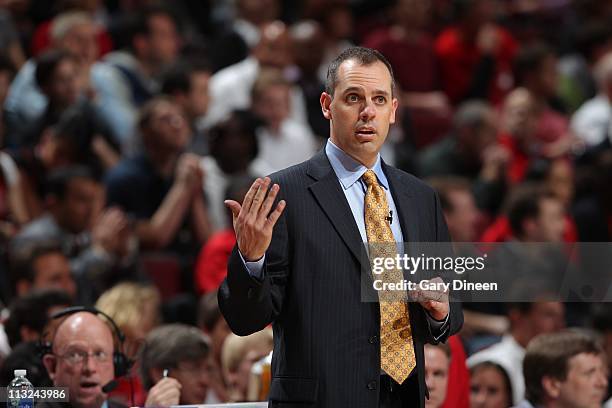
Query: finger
(259, 197)
(248, 198)
(234, 206)
(269, 201)
(271, 221)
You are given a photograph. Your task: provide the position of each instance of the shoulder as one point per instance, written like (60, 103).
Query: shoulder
(408, 181)
(129, 169)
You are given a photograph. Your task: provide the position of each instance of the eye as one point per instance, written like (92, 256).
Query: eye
(352, 98)
(381, 100)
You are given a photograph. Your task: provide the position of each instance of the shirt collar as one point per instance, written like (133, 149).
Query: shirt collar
(350, 170)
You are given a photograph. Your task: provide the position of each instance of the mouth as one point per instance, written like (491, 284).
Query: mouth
(89, 385)
(365, 133)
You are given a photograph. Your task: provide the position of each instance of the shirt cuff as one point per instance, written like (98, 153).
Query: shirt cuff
(437, 328)
(255, 268)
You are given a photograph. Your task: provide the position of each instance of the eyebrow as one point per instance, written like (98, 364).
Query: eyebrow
(379, 92)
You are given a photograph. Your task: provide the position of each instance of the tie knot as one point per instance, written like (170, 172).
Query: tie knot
(370, 178)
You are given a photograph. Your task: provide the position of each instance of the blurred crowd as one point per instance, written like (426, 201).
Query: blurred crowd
(125, 124)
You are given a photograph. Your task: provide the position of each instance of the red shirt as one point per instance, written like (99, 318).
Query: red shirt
(211, 266)
(458, 388)
(459, 59)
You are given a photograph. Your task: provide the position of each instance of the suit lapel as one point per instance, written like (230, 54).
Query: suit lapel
(404, 202)
(328, 194)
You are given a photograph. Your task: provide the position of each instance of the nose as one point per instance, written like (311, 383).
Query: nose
(368, 112)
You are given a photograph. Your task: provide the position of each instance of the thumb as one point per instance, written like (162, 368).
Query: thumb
(234, 206)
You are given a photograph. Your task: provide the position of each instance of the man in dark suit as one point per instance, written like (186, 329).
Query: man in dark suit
(298, 261)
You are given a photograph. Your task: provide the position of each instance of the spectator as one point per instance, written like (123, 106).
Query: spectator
(234, 42)
(25, 356)
(536, 70)
(161, 188)
(591, 122)
(283, 142)
(437, 362)
(132, 76)
(237, 358)
(471, 151)
(527, 320)
(231, 87)
(29, 314)
(564, 369)
(457, 390)
(80, 358)
(537, 216)
(336, 18)
(475, 54)
(185, 353)
(41, 265)
(602, 323)
(212, 323)
(73, 34)
(233, 152)
(490, 386)
(211, 266)
(307, 36)
(95, 241)
(7, 74)
(187, 85)
(135, 308)
(459, 207)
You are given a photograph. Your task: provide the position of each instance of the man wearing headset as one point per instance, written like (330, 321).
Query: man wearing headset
(81, 359)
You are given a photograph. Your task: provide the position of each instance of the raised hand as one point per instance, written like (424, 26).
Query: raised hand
(253, 221)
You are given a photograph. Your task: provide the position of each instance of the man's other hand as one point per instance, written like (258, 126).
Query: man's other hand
(165, 393)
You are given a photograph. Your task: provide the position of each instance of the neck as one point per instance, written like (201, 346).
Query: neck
(163, 161)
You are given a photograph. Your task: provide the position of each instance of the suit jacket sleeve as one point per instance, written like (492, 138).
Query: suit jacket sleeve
(250, 304)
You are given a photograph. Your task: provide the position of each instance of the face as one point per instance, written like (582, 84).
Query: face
(462, 220)
(198, 94)
(548, 76)
(52, 270)
(518, 116)
(550, 223)
(64, 88)
(476, 140)
(237, 145)
(82, 42)
(163, 39)
(273, 105)
(488, 389)
(586, 383)
(274, 47)
(78, 208)
(194, 377)
(361, 109)
(82, 334)
(413, 13)
(545, 317)
(168, 127)
(560, 180)
(436, 375)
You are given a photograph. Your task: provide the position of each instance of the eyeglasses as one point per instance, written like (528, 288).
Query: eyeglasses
(75, 357)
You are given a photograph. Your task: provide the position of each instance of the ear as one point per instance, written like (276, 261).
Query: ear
(50, 363)
(326, 100)
(394, 105)
(551, 386)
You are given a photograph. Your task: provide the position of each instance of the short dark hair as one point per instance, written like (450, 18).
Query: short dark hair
(58, 180)
(246, 122)
(32, 310)
(178, 77)
(548, 355)
(137, 23)
(444, 186)
(529, 59)
(524, 204)
(166, 346)
(25, 356)
(46, 65)
(28, 252)
(364, 56)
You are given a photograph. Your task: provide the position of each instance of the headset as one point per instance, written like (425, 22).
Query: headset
(121, 362)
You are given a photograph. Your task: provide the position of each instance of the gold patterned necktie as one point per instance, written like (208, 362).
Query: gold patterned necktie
(397, 356)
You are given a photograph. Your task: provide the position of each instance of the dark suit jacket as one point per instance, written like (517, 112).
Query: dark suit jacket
(326, 346)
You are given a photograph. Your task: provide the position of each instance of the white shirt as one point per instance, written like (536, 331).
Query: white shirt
(508, 354)
(230, 89)
(293, 144)
(592, 120)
